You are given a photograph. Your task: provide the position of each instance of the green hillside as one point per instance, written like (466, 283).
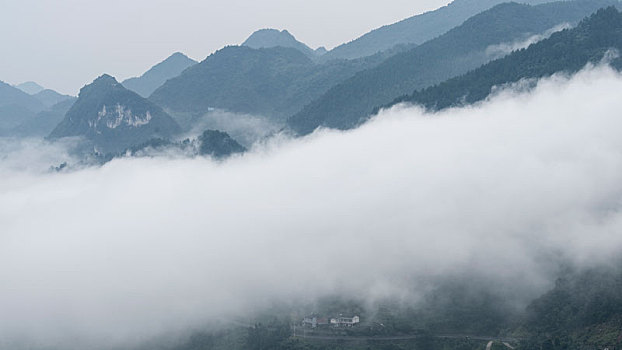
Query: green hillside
(567, 51)
(462, 49)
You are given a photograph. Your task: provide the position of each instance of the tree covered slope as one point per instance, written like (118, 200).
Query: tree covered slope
(567, 51)
(582, 311)
(415, 30)
(273, 82)
(464, 48)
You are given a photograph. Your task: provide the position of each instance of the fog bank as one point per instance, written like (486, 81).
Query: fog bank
(503, 191)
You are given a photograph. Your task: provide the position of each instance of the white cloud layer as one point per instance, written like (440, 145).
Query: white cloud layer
(138, 246)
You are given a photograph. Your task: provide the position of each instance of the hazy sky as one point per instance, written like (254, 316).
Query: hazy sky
(64, 44)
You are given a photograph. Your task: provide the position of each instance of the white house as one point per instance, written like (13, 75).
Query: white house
(342, 321)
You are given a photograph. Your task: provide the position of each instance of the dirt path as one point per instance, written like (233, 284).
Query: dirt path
(508, 346)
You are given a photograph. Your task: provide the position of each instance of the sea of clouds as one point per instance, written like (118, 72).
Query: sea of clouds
(505, 191)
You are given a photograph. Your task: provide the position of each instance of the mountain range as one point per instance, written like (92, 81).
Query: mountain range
(463, 48)
(567, 51)
(23, 114)
(278, 78)
(42, 123)
(454, 56)
(10, 95)
(16, 107)
(273, 82)
(417, 29)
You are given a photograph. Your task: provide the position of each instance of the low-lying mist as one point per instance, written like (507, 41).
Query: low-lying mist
(504, 192)
(244, 128)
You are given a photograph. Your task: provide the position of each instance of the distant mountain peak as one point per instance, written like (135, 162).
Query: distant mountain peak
(103, 82)
(177, 56)
(30, 87)
(269, 38)
(105, 79)
(16, 106)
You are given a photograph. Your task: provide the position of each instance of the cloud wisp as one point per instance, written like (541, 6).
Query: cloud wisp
(500, 190)
(500, 50)
(244, 128)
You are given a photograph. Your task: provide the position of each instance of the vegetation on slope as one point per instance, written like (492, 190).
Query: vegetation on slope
(567, 51)
(415, 30)
(274, 82)
(464, 48)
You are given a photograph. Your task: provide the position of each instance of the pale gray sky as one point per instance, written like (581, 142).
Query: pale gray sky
(64, 44)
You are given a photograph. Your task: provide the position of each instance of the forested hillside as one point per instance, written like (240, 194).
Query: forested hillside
(458, 51)
(567, 51)
(584, 310)
(274, 82)
(417, 29)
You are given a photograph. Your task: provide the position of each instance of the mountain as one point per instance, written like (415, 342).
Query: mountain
(268, 38)
(474, 43)
(16, 107)
(114, 118)
(10, 95)
(20, 112)
(417, 29)
(50, 97)
(582, 311)
(171, 67)
(30, 87)
(274, 83)
(42, 123)
(218, 144)
(567, 51)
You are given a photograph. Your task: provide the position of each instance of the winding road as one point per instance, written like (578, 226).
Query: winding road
(491, 340)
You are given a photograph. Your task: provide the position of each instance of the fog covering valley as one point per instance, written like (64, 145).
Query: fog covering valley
(451, 181)
(503, 194)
